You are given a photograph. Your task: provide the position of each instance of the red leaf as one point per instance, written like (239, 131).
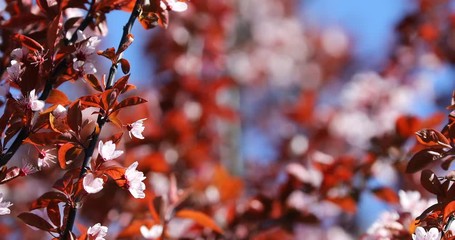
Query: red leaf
(36, 221)
(115, 172)
(29, 43)
(43, 138)
(93, 82)
(131, 101)
(61, 155)
(406, 126)
(432, 138)
(74, 116)
(57, 97)
(109, 54)
(200, 218)
(430, 182)
(422, 159)
(386, 194)
(121, 83)
(449, 210)
(108, 98)
(53, 211)
(46, 198)
(125, 65)
(52, 32)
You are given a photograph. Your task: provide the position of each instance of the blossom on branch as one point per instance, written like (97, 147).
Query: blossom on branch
(4, 206)
(136, 128)
(92, 184)
(134, 180)
(421, 234)
(97, 232)
(33, 103)
(107, 150)
(83, 62)
(153, 233)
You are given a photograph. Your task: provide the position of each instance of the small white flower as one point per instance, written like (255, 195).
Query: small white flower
(97, 232)
(44, 158)
(33, 103)
(14, 71)
(60, 112)
(153, 233)
(421, 234)
(107, 150)
(4, 206)
(84, 68)
(134, 181)
(174, 5)
(92, 184)
(136, 128)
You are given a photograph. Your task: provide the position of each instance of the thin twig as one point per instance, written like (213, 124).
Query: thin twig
(100, 121)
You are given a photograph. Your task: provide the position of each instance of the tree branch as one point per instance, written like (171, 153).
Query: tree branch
(100, 121)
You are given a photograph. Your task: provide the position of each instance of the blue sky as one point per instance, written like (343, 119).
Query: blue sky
(369, 22)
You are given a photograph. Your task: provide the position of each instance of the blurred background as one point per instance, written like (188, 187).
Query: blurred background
(266, 83)
(286, 119)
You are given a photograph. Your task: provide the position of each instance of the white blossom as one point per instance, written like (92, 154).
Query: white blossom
(97, 232)
(44, 158)
(107, 150)
(51, 3)
(136, 128)
(134, 181)
(14, 71)
(17, 54)
(385, 226)
(153, 233)
(421, 234)
(4, 206)
(33, 103)
(84, 56)
(60, 112)
(92, 184)
(412, 202)
(174, 5)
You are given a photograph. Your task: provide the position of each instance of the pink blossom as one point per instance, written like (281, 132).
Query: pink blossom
(33, 103)
(97, 232)
(153, 233)
(421, 234)
(134, 181)
(4, 206)
(136, 128)
(92, 184)
(44, 158)
(107, 150)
